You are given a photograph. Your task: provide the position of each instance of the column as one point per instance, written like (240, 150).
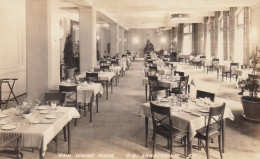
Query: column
(87, 38)
(126, 39)
(42, 47)
(121, 40)
(195, 40)
(246, 36)
(180, 38)
(212, 37)
(205, 35)
(114, 36)
(216, 30)
(225, 35)
(231, 33)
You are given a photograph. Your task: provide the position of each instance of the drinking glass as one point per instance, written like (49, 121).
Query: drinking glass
(53, 105)
(159, 98)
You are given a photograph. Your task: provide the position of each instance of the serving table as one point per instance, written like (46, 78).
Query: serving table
(39, 134)
(187, 117)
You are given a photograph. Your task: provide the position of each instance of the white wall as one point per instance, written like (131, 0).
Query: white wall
(13, 44)
(141, 35)
(254, 35)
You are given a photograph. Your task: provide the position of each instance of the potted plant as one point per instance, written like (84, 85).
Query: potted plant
(69, 56)
(251, 103)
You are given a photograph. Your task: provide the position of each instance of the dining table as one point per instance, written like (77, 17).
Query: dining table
(186, 116)
(116, 69)
(168, 82)
(40, 126)
(105, 77)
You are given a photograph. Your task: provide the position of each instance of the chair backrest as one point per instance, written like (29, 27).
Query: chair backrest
(252, 76)
(163, 93)
(178, 73)
(57, 97)
(203, 94)
(153, 67)
(234, 66)
(104, 68)
(150, 61)
(10, 140)
(92, 77)
(161, 118)
(153, 83)
(102, 62)
(72, 90)
(115, 62)
(215, 120)
(124, 55)
(183, 84)
(215, 62)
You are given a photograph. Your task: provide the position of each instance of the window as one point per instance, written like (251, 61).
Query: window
(187, 39)
(240, 18)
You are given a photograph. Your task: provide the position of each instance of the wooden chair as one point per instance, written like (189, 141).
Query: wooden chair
(153, 85)
(162, 93)
(213, 67)
(213, 128)
(183, 86)
(203, 94)
(228, 73)
(60, 98)
(10, 140)
(178, 73)
(92, 77)
(163, 126)
(104, 68)
(70, 100)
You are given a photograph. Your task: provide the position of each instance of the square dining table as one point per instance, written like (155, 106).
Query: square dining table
(163, 82)
(184, 120)
(44, 128)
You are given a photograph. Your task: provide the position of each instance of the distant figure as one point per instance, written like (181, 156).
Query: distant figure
(149, 47)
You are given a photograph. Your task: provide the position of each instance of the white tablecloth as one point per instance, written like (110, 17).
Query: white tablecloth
(182, 120)
(37, 135)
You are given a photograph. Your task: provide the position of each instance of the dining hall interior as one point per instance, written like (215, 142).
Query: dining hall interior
(130, 79)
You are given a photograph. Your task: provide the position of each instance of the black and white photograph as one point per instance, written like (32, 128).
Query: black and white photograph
(130, 79)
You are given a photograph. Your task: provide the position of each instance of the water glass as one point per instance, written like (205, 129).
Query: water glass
(53, 105)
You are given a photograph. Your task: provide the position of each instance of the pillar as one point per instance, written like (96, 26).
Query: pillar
(246, 36)
(87, 38)
(121, 40)
(180, 38)
(114, 36)
(205, 35)
(225, 35)
(195, 40)
(212, 37)
(42, 47)
(126, 39)
(231, 33)
(216, 30)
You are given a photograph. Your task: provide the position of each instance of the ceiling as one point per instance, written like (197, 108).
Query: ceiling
(154, 13)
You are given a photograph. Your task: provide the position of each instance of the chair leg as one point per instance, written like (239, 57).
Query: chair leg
(185, 146)
(170, 148)
(207, 148)
(56, 144)
(220, 146)
(64, 134)
(154, 140)
(85, 113)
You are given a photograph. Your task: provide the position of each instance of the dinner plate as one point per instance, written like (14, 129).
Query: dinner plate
(204, 110)
(43, 107)
(164, 100)
(187, 111)
(35, 122)
(10, 126)
(44, 112)
(195, 114)
(51, 116)
(3, 115)
(3, 122)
